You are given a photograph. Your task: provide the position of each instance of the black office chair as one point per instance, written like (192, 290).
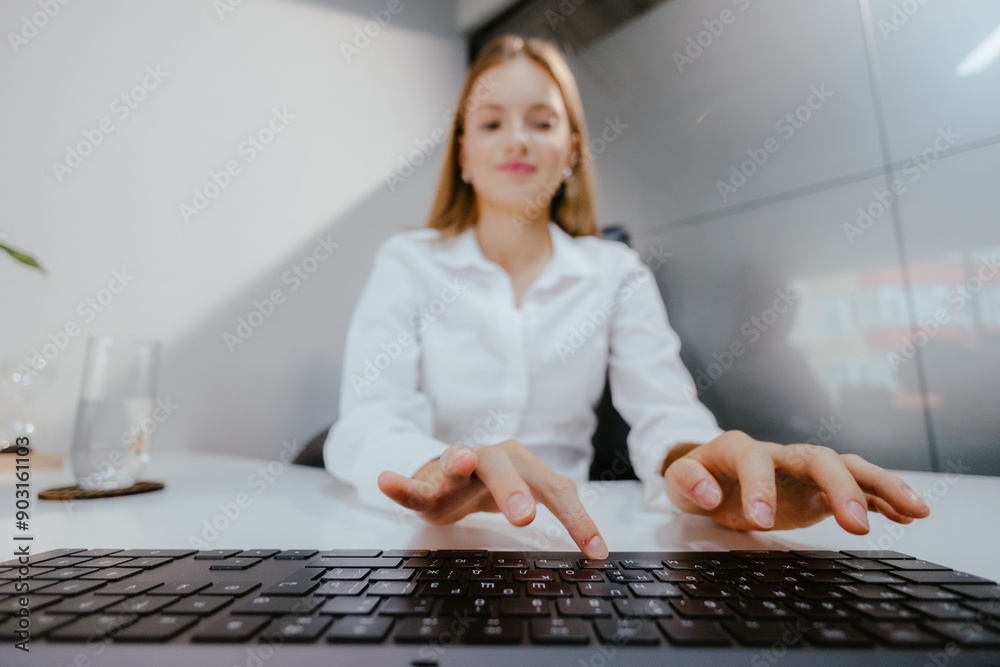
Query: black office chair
(611, 460)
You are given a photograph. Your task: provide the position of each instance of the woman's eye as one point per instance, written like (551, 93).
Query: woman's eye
(492, 125)
(543, 124)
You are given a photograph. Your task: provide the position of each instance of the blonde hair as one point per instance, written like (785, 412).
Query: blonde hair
(572, 206)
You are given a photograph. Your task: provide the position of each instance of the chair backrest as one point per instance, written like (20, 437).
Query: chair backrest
(611, 460)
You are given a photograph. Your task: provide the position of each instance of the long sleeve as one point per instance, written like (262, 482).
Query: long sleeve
(649, 384)
(385, 422)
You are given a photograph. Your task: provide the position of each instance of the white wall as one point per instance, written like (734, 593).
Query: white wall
(322, 176)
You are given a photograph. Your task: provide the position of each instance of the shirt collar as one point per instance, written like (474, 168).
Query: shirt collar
(568, 259)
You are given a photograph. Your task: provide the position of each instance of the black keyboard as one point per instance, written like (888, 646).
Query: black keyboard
(737, 599)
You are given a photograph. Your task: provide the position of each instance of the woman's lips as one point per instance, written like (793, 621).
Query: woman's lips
(517, 167)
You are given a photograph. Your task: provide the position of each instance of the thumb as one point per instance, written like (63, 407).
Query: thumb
(689, 483)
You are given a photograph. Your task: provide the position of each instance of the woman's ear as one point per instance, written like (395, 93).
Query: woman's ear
(574, 151)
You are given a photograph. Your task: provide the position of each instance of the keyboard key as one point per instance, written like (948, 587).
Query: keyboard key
(349, 605)
(370, 563)
(360, 629)
(84, 604)
(695, 590)
(913, 564)
(535, 575)
(520, 563)
(67, 561)
(882, 611)
(72, 587)
(761, 610)
(295, 628)
(871, 592)
(485, 574)
(390, 587)
(216, 554)
(293, 584)
(40, 557)
(234, 564)
(525, 607)
(493, 589)
(295, 554)
(180, 588)
(155, 553)
(583, 607)
(41, 624)
(701, 608)
(229, 629)
(352, 553)
(764, 633)
(977, 591)
(265, 604)
(924, 592)
(459, 607)
(875, 554)
(493, 631)
(396, 606)
(149, 563)
(127, 587)
(966, 634)
(406, 553)
(113, 574)
(902, 635)
(345, 573)
(65, 573)
(940, 577)
(559, 631)
(602, 590)
(92, 628)
(655, 590)
(551, 564)
(865, 564)
(143, 604)
(627, 576)
(548, 588)
(581, 575)
(466, 562)
(834, 633)
(12, 605)
(257, 553)
(198, 605)
(416, 630)
(943, 611)
(399, 574)
(155, 628)
(694, 632)
(682, 576)
(331, 588)
(640, 564)
(820, 610)
(646, 608)
(443, 589)
(233, 588)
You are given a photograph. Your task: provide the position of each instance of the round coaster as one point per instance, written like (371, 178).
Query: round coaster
(76, 493)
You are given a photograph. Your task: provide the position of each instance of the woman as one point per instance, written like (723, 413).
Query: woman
(494, 328)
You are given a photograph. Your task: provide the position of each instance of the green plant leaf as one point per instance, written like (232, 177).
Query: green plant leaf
(21, 257)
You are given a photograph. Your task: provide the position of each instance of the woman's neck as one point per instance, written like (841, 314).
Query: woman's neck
(516, 244)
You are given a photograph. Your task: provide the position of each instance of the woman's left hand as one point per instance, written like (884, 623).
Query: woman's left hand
(746, 484)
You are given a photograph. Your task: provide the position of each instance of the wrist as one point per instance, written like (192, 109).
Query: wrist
(677, 452)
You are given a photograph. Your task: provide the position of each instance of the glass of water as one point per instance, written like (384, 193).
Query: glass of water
(111, 441)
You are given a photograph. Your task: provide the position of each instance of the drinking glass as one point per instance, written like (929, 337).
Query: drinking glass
(112, 436)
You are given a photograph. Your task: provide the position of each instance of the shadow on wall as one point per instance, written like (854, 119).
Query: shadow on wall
(265, 368)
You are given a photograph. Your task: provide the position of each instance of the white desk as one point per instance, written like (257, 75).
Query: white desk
(295, 507)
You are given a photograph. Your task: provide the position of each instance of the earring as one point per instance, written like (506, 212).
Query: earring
(465, 176)
(567, 172)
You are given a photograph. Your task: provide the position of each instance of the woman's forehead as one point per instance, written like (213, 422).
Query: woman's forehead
(518, 84)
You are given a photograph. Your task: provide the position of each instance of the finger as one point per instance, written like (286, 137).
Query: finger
(558, 493)
(410, 493)
(755, 470)
(876, 504)
(884, 484)
(823, 467)
(458, 461)
(509, 490)
(690, 486)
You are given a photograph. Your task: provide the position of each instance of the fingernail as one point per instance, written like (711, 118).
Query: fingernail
(518, 506)
(706, 494)
(859, 513)
(914, 497)
(763, 514)
(596, 548)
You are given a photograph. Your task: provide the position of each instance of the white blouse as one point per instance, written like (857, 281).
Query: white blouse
(437, 354)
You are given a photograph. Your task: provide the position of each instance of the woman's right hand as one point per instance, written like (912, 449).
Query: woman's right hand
(502, 477)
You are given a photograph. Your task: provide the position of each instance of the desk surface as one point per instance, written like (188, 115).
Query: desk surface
(218, 501)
